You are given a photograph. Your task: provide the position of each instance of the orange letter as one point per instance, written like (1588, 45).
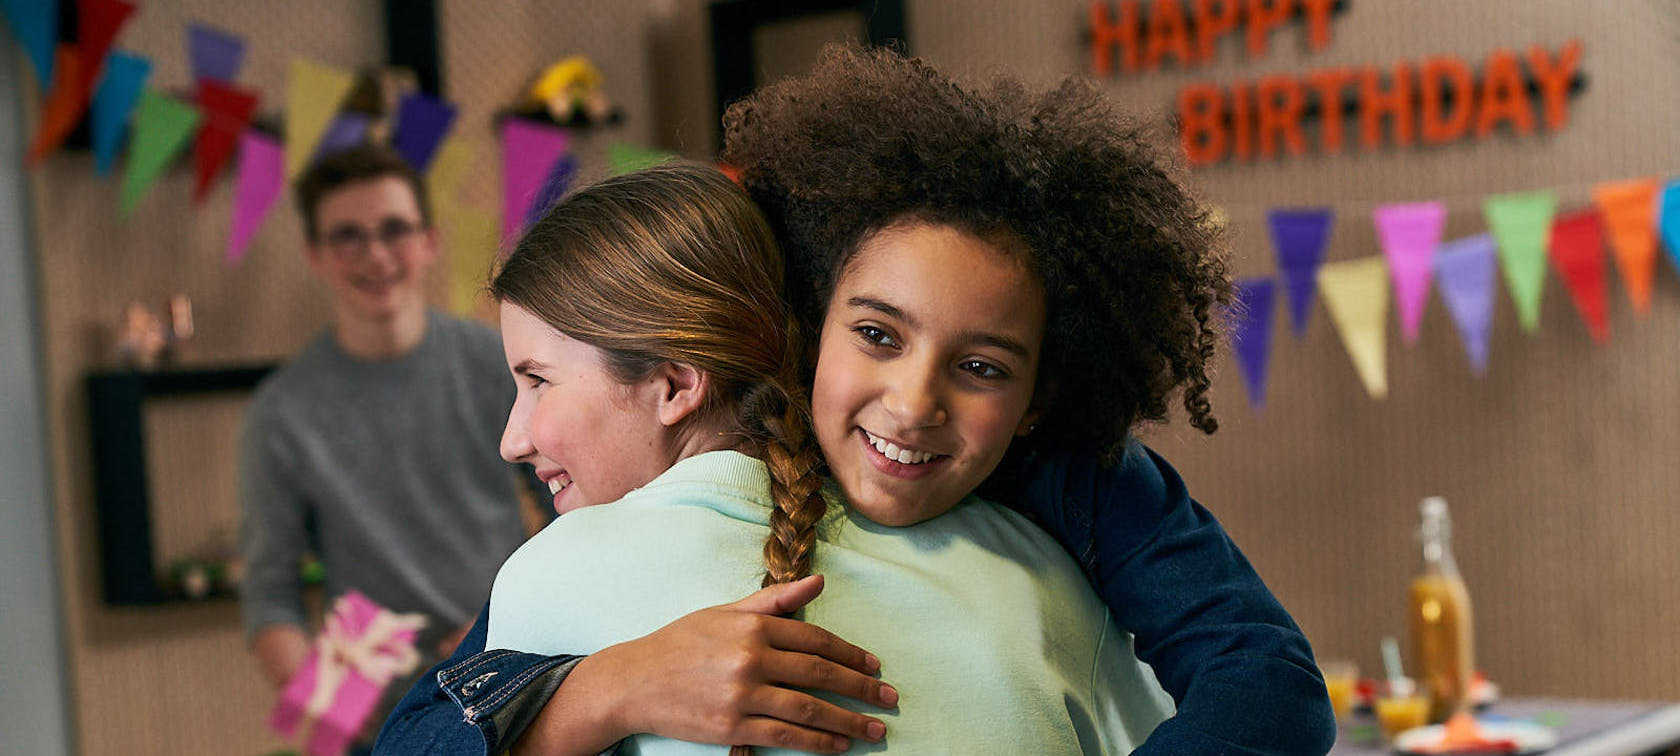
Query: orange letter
(1318, 22)
(1167, 33)
(1280, 113)
(1201, 123)
(1458, 83)
(1242, 122)
(1554, 80)
(1261, 21)
(1373, 103)
(1210, 27)
(1122, 35)
(1329, 84)
(1504, 97)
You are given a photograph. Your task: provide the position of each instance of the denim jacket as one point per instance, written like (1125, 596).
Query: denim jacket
(1238, 667)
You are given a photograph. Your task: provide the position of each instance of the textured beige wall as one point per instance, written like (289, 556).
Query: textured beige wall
(1558, 463)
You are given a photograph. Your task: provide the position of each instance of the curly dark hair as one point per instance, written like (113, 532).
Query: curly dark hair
(1132, 266)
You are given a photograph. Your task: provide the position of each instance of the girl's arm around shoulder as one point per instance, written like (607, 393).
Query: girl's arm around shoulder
(1239, 668)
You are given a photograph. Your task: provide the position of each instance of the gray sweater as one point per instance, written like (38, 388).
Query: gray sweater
(388, 472)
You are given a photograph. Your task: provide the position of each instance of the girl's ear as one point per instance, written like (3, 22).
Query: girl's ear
(1035, 411)
(682, 390)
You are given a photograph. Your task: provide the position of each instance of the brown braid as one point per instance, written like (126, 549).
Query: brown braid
(796, 489)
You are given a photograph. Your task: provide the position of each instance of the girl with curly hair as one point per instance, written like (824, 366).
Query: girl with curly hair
(991, 272)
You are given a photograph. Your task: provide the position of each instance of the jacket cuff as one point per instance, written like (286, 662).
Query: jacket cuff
(501, 692)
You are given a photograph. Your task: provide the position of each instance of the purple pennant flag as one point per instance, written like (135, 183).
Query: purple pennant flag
(1300, 235)
(422, 122)
(1251, 333)
(1409, 233)
(125, 74)
(346, 131)
(554, 187)
(262, 172)
(1465, 271)
(215, 54)
(530, 151)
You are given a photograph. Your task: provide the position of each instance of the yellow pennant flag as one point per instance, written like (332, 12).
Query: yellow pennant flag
(471, 236)
(449, 167)
(1356, 293)
(313, 94)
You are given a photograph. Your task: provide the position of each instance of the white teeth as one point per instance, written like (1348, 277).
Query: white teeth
(897, 453)
(558, 484)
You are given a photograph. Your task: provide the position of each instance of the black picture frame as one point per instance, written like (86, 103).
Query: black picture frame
(734, 21)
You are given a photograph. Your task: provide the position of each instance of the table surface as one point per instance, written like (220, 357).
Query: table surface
(1585, 728)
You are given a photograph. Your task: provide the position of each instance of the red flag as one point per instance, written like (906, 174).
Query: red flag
(98, 22)
(1577, 254)
(64, 106)
(227, 111)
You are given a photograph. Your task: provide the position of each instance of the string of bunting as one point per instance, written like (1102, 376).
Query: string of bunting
(126, 111)
(1526, 234)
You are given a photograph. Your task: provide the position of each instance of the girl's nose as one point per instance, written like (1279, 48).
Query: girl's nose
(915, 399)
(516, 443)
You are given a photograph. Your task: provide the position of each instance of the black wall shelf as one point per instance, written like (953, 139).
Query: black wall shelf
(122, 497)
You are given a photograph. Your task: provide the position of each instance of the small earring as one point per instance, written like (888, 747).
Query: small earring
(1032, 427)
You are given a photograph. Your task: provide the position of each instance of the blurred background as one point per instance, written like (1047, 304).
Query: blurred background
(1556, 454)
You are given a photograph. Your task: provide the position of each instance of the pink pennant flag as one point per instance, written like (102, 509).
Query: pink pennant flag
(1577, 253)
(262, 171)
(529, 151)
(1409, 233)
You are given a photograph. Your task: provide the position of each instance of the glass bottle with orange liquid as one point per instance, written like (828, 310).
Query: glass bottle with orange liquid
(1443, 640)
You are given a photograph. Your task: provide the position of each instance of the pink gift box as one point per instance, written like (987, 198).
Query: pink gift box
(356, 695)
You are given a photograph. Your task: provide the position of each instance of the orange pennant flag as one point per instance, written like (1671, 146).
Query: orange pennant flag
(64, 106)
(1629, 209)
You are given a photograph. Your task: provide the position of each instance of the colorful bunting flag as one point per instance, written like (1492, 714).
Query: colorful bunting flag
(97, 24)
(35, 24)
(1577, 253)
(422, 122)
(313, 94)
(1521, 224)
(227, 111)
(1299, 237)
(348, 129)
(529, 153)
(261, 169)
(125, 75)
(1464, 271)
(624, 158)
(554, 187)
(1356, 293)
(1629, 212)
(64, 107)
(215, 54)
(1409, 233)
(1670, 221)
(1251, 333)
(450, 165)
(470, 248)
(162, 127)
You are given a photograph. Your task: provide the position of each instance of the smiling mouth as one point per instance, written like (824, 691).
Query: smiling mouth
(900, 454)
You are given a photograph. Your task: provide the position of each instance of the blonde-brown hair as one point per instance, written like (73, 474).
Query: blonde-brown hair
(676, 264)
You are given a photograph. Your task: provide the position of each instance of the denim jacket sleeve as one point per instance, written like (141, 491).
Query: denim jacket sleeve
(474, 702)
(1239, 668)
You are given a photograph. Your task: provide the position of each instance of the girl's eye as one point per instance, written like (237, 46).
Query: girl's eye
(535, 380)
(875, 335)
(982, 369)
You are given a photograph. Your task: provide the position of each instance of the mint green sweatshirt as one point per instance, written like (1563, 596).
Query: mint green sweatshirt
(988, 630)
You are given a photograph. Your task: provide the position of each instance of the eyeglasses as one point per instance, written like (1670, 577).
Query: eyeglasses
(351, 241)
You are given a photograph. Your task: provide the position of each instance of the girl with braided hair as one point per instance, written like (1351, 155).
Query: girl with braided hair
(1001, 285)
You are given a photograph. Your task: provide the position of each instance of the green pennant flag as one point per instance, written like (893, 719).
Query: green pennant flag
(1522, 224)
(624, 158)
(162, 126)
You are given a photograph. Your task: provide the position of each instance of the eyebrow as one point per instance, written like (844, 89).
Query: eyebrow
(1013, 346)
(526, 365)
